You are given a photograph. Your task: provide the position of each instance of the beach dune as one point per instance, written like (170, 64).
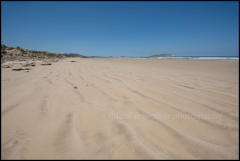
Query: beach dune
(82, 108)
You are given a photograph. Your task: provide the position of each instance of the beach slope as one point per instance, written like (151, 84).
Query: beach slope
(80, 108)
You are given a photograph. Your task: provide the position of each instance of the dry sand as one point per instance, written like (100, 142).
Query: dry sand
(121, 109)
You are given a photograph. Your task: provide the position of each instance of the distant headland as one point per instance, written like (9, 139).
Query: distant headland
(163, 55)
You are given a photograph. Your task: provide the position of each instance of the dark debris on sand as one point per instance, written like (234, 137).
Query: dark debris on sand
(75, 87)
(46, 64)
(6, 66)
(29, 64)
(19, 69)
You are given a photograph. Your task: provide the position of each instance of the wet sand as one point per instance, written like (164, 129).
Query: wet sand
(121, 109)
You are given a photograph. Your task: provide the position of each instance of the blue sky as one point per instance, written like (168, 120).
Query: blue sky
(123, 28)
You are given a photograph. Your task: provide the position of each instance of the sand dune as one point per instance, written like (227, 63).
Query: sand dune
(121, 109)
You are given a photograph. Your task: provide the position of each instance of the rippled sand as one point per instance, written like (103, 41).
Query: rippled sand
(121, 109)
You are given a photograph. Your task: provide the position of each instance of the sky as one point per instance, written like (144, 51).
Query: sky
(136, 29)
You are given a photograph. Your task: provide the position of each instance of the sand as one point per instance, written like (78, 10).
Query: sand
(121, 109)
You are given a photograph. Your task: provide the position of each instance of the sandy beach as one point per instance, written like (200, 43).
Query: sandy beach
(83, 108)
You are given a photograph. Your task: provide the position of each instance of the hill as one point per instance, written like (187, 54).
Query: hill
(163, 55)
(11, 53)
